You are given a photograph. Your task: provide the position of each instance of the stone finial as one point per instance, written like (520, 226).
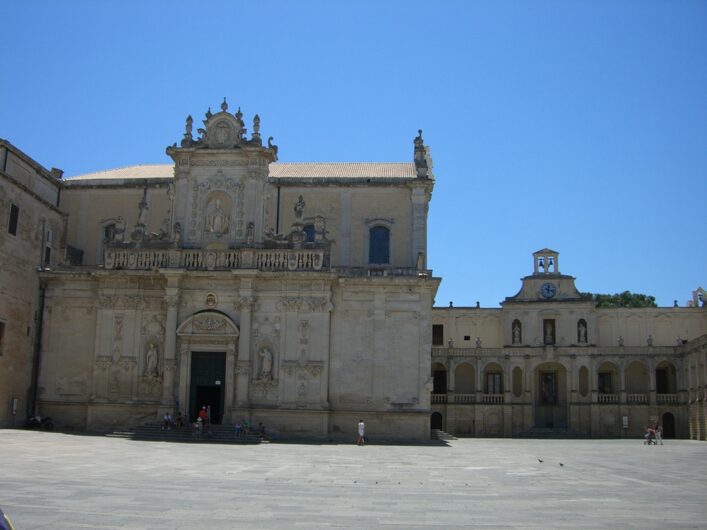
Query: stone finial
(478, 342)
(208, 113)
(224, 105)
(188, 138)
(255, 137)
(649, 340)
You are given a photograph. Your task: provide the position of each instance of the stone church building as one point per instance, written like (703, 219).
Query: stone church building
(298, 295)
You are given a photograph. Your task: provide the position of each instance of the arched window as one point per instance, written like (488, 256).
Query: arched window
(309, 230)
(379, 245)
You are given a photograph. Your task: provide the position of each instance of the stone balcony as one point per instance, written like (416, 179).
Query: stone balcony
(211, 260)
(263, 259)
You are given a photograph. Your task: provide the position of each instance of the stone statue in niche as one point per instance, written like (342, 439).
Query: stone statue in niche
(516, 332)
(582, 332)
(250, 233)
(299, 208)
(319, 229)
(265, 365)
(151, 361)
(217, 222)
(119, 232)
(549, 339)
(177, 233)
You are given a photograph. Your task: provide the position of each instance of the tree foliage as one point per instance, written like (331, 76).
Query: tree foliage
(625, 299)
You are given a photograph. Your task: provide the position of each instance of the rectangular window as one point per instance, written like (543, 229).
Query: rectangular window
(2, 337)
(467, 337)
(605, 386)
(437, 335)
(14, 219)
(494, 383)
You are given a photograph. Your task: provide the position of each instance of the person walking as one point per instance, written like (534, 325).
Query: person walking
(361, 433)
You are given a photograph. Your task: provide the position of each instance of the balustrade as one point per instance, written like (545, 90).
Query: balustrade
(204, 259)
(439, 399)
(637, 398)
(666, 399)
(464, 398)
(608, 398)
(492, 399)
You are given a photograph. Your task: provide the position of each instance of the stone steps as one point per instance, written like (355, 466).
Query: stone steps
(437, 434)
(213, 433)
(552, 433)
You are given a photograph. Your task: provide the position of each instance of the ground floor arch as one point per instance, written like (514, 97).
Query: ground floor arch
(208, 345)
(550, 399)
(668, 421)
(436, 421)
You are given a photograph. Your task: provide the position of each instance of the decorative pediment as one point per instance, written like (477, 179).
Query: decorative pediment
(208, 323)
(224, 130)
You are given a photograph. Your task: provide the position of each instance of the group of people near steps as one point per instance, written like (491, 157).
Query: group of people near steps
(242, 428)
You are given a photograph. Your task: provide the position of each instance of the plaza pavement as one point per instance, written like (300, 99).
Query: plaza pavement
(54, 480)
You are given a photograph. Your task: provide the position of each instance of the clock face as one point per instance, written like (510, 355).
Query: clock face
(548, 290)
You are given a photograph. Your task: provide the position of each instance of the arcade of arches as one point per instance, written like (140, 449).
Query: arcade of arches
(549, 359)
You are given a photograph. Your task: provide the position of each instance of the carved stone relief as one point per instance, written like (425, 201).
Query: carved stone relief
(209, 323)
(153, 325)
(70, 386)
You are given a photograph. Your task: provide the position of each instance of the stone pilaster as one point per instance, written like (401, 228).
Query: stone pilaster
(230, 382)
(170, 339)
(243, 365)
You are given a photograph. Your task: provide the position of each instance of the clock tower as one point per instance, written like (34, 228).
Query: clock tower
(546, 284)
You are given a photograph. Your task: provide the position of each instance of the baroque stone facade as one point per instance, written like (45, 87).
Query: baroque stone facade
(292, 294)
(298, 295)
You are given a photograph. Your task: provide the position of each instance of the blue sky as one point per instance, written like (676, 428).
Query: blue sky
(575, 125)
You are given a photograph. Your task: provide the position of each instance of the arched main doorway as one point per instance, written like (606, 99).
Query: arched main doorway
(208, 342)
(668, 425)
(550, 395)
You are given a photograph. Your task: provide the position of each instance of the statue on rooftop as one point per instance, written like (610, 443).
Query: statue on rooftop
(420, 156)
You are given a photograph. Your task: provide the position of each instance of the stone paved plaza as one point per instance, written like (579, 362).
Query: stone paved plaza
(53, 480)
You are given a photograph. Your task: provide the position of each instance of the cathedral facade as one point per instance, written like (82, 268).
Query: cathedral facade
(292, 294)
(298, 295)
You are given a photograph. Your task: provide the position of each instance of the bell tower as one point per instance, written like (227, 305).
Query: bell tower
(545, 261)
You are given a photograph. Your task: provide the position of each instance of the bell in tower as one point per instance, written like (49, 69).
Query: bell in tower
(545, 262)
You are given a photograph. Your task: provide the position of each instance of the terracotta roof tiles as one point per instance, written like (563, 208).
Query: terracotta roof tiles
(317, 170)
